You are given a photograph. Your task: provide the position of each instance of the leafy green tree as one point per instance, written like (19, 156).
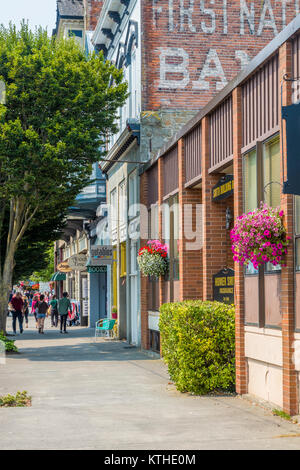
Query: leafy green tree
(60, 107)
(45, 273)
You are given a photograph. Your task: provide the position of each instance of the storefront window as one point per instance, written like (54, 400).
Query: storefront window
(262, 183)
(250, 181)
(271, 165)
(271, 168)
(153, 222)
(113, 209)
(171, 234)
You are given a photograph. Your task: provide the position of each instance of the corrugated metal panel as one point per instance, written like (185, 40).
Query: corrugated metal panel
(170, 165)
(221, 135)
(296, 58)
(260, 99)
(192, 152)
(152, 180)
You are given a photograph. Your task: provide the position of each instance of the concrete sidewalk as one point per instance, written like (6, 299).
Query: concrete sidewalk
(111, 396)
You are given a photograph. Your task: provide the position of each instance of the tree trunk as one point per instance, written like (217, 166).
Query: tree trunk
(5, 286)
(18, 223)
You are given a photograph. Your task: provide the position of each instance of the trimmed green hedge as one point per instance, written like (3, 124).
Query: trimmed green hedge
(198, 345)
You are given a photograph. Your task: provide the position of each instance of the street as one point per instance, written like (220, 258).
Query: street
(111, 396)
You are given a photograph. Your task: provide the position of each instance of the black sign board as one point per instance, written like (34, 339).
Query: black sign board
(223, 189)
(291, 114)
(223, 286)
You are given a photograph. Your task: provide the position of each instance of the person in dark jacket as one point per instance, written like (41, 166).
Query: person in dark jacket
(42, 309)
(17, 312)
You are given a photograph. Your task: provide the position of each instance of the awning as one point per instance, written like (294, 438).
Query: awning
(58, 277)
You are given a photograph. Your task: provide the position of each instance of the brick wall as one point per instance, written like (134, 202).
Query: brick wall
(192, 48)
(290, 398)
(92, 12)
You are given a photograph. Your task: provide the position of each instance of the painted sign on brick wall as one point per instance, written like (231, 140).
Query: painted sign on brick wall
(199, 45)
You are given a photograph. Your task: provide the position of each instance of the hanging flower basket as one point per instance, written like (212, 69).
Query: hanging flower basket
(152, 259)
(259, 237)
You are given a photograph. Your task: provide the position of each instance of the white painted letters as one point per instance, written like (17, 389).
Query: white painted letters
(212, 68)
(244, 11)
(210, 12)
(189, 13)
(243, 57)
(167, 68)
(267, 23)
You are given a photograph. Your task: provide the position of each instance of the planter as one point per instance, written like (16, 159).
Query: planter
(152, 259)
(260, 237)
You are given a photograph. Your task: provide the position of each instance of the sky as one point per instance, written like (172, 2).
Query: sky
(38, 12)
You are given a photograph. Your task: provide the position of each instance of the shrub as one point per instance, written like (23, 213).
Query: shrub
(19, 400)
(198, 345)
(9, 344)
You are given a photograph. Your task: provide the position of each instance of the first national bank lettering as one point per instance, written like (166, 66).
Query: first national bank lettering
(224, 20)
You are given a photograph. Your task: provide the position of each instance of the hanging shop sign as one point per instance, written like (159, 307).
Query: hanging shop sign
(291, 184)
(101, 255)
(64, 268)
(96, 269)
(223, 286)
(223, 189)
(78, 262)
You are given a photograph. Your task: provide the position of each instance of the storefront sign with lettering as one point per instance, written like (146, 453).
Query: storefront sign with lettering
(78, 262)
(223, 286)
(64, 268)
(101, 255)
(223, 189)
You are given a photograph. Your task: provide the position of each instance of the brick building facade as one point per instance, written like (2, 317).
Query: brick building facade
(240, 133)
(190, 51)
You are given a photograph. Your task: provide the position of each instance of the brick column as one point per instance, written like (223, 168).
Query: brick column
(144, 280)
(290, 399)
(190, 260)
(161, 281)
(214, 214)
(241, 369)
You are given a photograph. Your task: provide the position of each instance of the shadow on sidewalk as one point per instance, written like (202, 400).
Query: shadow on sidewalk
(101, 351)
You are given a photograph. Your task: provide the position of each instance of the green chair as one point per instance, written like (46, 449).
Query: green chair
(104, 327)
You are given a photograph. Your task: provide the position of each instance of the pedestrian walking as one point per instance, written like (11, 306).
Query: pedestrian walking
(54, 311)
(64, 306)
(26, 309)
(17, 312)
(33, 307)
(41, 310)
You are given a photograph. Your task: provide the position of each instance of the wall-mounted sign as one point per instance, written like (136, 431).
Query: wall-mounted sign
(64, 268)
(101, 255)
(223, 286)
(78, 262)
(97, 269)
(223, 189)
(291, 185)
